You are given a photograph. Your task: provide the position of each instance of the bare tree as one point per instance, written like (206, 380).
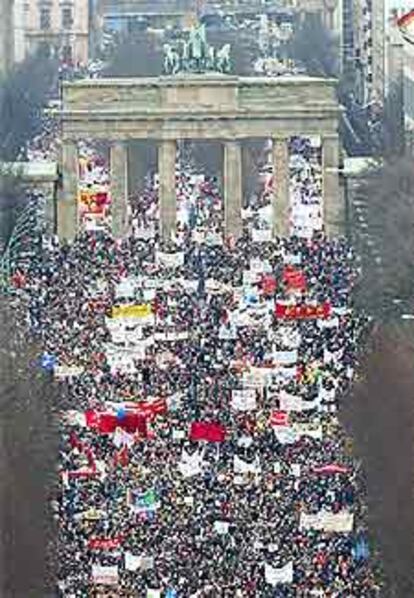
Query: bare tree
(315, 48)
(136, 56)
(28, 454)
(379, 415)
(388, 193)
(23, 96)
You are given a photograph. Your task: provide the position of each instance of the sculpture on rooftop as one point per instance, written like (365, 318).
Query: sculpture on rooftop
(196, 55)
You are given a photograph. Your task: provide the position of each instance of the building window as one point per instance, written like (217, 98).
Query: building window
(67, 54)
(67, 20)
(44, 18)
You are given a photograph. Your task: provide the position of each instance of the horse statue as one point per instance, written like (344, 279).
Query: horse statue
(223, 59)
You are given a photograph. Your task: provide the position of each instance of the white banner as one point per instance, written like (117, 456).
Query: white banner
(259, 266)
(133, 562)
(261, 235)
(190, 465)
(171, 336)
(276, 575)
(294, 260)
(286, 357)
(126, 288)
(145, 233)
(342, 522)
(68, 371)
(170, 260)
(105, 575)
(292, 403)
(221, 527)
(240, 466)
(243, 400)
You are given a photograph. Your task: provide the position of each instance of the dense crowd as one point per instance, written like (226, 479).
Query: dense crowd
(201, 452)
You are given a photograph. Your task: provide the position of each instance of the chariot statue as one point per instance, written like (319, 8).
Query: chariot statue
(196, 55)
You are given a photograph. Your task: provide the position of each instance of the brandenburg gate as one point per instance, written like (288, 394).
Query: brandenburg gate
(212, 107)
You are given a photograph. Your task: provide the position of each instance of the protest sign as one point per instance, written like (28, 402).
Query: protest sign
(342, 522)
(243, 400)
(263, 235)
(105, 575)
(276, 575)
(170, 260)
(67, 371)
(132, 311)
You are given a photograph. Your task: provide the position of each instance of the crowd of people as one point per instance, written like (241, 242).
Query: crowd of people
(201, 452)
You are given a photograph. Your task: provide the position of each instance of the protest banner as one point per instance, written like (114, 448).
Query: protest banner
(292, 403)
(221, 527)
(132, 311)
(145, 233)
(126, 288)
(276, 575)
(302, 312)
(143, 502)
(190, 465)
(311, 430)
(243, 400)
(93, 202)
(241, 466)
(331, 469)
(342, 522)
(279, 418)
(67, 371)
(286, 357)
(170, 260)
(105, 543)
(208, 431)
(105, 575)
(263, 235)
(135, 562)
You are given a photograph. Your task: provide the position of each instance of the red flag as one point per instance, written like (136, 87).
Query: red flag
(122, 457)
(268, 284)
(279, 418)
(153, 408)
(332, 468)
(106, 423)
(212, 432)
(294, 279)
(18, 280)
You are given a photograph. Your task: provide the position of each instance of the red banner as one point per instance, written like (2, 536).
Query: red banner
(104, 543)
(330, 469)
(83, 472)
(212, 432)
(279, 418)
(303, 312)
(106, 423)
(294, 279)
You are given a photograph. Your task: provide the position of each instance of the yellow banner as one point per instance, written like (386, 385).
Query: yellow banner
(132, 311)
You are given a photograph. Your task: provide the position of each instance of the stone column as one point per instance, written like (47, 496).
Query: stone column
(233, 195)
(167, 152)
(333, 204)
(68, 204)
(137, 165)
(280, 196)
(119, 188)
